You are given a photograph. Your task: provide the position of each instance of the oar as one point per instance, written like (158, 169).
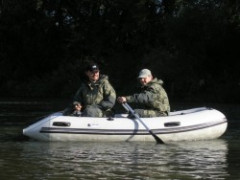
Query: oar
(127, 107)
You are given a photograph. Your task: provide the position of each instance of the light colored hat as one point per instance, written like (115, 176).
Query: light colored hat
(76, 103)
(144, 73)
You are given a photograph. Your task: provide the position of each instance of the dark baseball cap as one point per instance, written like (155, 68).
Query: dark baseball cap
(92, 67)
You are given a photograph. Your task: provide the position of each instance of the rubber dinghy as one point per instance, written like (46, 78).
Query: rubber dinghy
(186, 125)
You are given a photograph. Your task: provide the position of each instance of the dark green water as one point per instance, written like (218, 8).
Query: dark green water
(21, 158)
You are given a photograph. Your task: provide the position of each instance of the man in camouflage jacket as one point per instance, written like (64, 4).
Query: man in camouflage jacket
(96, 95)
(152, 99)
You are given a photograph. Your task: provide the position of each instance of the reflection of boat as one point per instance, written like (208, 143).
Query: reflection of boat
(199, 159)
(192, 124)
(217, 145)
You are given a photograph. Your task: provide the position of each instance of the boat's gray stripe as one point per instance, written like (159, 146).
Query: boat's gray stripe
(185, 112)
(128, 132)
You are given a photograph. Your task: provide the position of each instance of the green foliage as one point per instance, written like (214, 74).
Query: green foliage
(191, 45)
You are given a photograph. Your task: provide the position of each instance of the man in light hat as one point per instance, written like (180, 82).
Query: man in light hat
(152, 99)
(95, 95)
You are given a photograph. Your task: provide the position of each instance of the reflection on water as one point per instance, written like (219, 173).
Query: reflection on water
(24, 159)
(204, 159)
(189, 160)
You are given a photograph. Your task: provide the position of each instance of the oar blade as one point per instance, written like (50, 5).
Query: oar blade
(158, 140)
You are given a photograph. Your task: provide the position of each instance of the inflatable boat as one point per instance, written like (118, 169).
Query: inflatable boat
(185, 125)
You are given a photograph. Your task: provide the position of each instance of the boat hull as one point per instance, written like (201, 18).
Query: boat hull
(188, 125)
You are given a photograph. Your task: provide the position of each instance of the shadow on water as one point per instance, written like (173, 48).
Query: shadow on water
(17, 114)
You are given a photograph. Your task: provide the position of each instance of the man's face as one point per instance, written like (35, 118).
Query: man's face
(93, 76)
(145, 80)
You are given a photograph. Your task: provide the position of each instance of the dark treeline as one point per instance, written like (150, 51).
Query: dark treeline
(193, 45)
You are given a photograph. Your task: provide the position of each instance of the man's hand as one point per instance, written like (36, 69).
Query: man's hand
(122, 99)
(77, 106)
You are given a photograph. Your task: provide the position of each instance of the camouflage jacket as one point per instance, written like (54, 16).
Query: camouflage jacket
(100, 93)
(152, 97)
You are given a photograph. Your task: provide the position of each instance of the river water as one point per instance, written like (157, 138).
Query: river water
(21, 158)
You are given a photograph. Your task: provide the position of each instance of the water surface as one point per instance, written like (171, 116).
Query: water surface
(21, 158)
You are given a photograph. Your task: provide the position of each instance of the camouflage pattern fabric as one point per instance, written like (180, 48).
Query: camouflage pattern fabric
(92, 111)
(153, 100)
(150, 113)
(96, 97)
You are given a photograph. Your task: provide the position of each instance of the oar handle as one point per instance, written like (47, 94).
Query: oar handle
(127, 107)
(131, 110)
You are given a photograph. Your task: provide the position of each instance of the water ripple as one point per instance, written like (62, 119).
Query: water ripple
(192, 160)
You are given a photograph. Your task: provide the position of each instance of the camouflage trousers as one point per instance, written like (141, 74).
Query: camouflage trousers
(92, 111)
(150, 113)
